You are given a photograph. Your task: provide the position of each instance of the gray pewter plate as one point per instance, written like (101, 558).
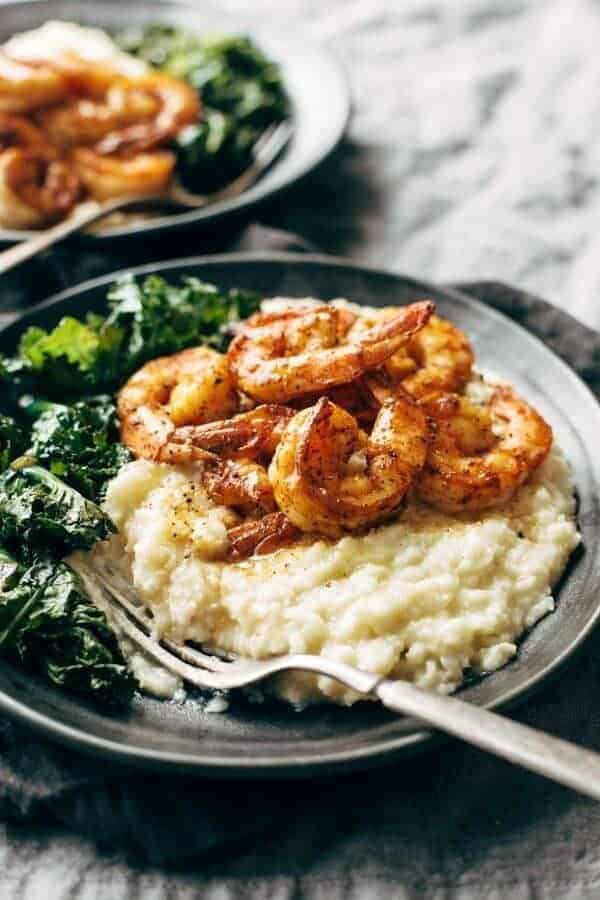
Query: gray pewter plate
(270, 739)
(314, 80)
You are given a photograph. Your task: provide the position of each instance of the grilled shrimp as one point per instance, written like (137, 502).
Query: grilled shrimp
(115, 113)
(438, 358)
(177, 103)
(173, 392)
(260, 536)
(28, 86)
(329, 477)
(356, 397)
(241, 485)
(278, 357)
(17, 131)
(480, 455)
(106, 177)
(36, 188)
(251, 435)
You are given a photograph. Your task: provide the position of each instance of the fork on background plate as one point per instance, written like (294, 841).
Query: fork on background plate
(265, 151)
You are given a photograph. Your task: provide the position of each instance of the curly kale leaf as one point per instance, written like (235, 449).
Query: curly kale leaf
(147, 318)
(160, 318)
(78, 443)
(12, 441)
(37, 508)
(48, 624)
(73, 358)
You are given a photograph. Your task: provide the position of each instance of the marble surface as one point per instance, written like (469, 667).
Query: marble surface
(473, 153)
(475, 148)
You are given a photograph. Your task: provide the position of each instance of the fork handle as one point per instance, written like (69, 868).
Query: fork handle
(85, 215)
(558, 760)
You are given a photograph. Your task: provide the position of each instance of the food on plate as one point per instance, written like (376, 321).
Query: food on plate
(480, 455)
(27, 86)
(36, 187)
(187, 388)
(282, 356)
(288, 476)
(438, 358)
(100, 136)
(242, 94)
(331, 478)
(81, 118)
(17, 131)
(49, 624)
(105, 177)
(117, 113)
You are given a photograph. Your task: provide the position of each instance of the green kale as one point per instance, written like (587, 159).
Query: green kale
(78, 443)
(12, 441)
(160, 318)
(242, 94)
(48, 624)
(147, 318)
(73, 358)
(37, 508)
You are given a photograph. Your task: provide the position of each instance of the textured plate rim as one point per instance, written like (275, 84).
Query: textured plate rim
(258, 193)
(380, 751)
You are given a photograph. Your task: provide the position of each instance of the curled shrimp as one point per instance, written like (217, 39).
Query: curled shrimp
(438, 358)
(356, 397)
(330, 477)
(177, 105)
(28, 86)
(261, 536)
(36, 188)
(280, 357)
(115, 113)
(252, 435)
(106, 177)
(241, 485)
(480, 455)
(193, 386)
(17, 131)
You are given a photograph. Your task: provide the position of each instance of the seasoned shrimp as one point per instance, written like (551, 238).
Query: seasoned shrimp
(329, 477)
(28, 86)
(36, 188)
(152, 403)
(281, 357)
(177, 103)
(241, 485)
(116, 113)
(356, 397)
(17, 131)
(260, 536)
(481, 455)
(251, 435)
(438, 358)
(106, 177)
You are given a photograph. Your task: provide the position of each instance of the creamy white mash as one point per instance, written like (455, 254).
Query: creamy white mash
(424, 598)
(54, 39)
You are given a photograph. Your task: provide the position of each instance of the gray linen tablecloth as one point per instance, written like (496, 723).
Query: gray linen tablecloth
(473, 155)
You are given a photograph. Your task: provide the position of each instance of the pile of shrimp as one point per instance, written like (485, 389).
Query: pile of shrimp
(71, 129)
(322, 421)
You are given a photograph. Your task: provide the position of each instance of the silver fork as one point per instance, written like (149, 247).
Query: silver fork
(265, 151)
(558, 760)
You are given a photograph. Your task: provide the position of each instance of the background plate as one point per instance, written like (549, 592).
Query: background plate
(314, 80)
(270, 738)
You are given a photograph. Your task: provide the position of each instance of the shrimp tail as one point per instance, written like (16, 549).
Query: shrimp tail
(381, 341)
(251, 435)
(261, 536)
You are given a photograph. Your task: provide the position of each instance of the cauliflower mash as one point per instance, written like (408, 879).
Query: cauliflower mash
(423, 598)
